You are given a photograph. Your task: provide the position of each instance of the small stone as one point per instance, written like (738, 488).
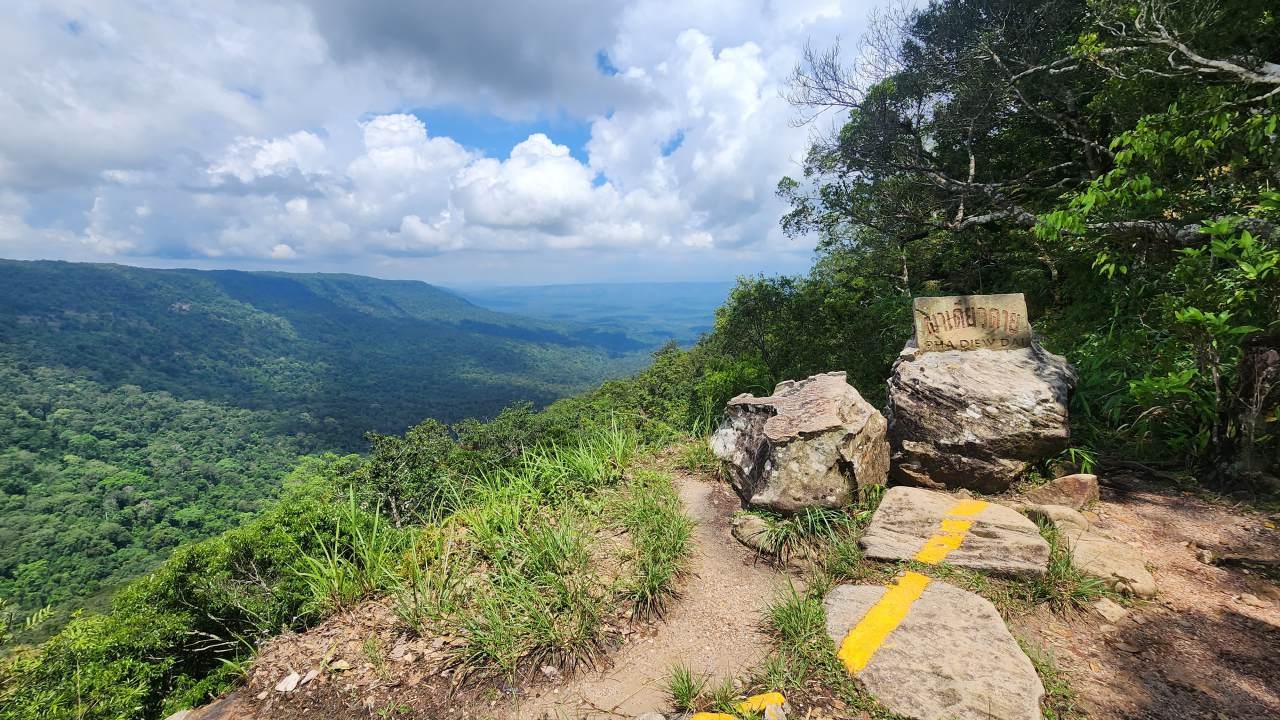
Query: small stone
(1074, 491)
(339, 665)
(775, 712)
(262, 695)
(1127, 647)
(550, 672)
(1110, 610)
(312, 674)
(1122, 567)
(180, 715)
(398, 651)
(438, 643)
(1061, 517)
(1107, 629)
(1205, 556)
(753, 531)
(1252, 601)
(651, 716)
(289, 683)
(408, 658)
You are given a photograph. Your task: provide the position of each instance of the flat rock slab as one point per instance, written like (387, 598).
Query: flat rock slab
(950, 656)
(999, 540)
(1122, 567)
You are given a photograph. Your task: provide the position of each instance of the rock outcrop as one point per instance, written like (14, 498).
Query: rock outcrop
(813, 442)
(951, 656)
(995, 539)
(976, 419)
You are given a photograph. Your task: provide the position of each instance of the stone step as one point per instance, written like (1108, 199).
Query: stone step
(929, 650)
(932, 527)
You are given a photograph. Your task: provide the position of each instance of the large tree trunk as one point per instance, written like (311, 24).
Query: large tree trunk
(1256, 450)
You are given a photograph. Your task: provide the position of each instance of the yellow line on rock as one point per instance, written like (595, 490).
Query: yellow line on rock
(871, 631)
(951, 532)
(891, 609)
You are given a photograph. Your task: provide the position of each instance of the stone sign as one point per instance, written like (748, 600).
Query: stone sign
(972, 322)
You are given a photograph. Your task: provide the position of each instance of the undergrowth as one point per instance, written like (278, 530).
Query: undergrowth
(525, 572)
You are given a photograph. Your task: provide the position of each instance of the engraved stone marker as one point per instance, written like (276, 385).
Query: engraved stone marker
(972, 322)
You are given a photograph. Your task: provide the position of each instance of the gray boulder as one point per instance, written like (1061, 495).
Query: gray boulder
(813, 442)
(976, 419)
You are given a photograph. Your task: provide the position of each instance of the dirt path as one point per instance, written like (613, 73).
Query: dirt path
(1206, 647)
(712, 628)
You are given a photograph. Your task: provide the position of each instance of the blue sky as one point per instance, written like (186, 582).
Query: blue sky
(560, 141)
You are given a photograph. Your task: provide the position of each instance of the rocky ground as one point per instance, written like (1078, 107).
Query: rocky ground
(1205, 647)
(1208, 645)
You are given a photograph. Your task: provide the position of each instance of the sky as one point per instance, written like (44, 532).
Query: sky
(483, 143)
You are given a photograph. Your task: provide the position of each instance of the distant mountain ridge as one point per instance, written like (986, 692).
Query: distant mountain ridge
(372, 354)
(649, 312)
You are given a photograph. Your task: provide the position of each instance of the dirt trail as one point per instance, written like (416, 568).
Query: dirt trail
(712, 628)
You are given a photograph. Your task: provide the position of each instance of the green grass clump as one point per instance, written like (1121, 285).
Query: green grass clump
(358, 558)
(692, 692)
(1064, 586)
(524, 573)
(660, 534)
(686, 688)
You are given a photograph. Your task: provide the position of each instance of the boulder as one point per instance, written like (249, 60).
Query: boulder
(813, 442)
(1076, 491)
(976, 419)
(951, 656)
(999, 541)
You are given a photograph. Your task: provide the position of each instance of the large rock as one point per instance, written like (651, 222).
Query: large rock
(976, 419)
(950, 657)
(814, 442)
(999, 541)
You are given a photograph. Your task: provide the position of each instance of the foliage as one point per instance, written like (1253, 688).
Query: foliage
(1116, 162)
(143, 409)
(164, 644)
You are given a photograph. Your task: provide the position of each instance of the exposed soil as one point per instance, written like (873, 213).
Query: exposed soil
(1207, 647)
(713, 628)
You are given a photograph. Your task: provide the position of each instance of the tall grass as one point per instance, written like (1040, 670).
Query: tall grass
(358, 559)
(514, 573)
(660, 535)
(1064, 585)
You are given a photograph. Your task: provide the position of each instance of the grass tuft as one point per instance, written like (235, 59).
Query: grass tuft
(686, 688)
(1064, 586)
(660, 534)
(360, 559)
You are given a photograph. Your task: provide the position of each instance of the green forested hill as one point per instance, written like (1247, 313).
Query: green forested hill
(369, 354)
(141, 408)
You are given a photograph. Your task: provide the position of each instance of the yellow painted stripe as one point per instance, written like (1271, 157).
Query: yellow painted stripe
(951, 531)
(874, 628)
(759, 703)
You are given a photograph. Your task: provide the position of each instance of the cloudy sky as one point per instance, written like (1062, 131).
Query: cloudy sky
(490, 142)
